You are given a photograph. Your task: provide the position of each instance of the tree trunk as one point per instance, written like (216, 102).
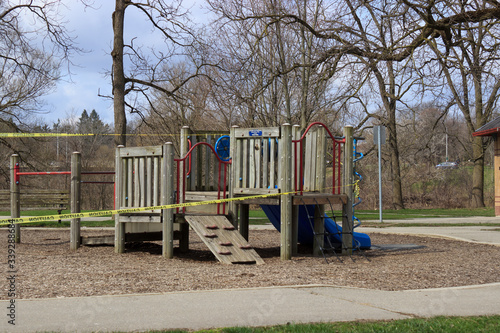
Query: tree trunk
(477, 197)
(397, 192)
(118, 73)
(387, 93)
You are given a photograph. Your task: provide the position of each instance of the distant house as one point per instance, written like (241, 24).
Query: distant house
(493, 129)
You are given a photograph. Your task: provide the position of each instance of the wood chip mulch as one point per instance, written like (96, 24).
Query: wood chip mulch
(47, 268)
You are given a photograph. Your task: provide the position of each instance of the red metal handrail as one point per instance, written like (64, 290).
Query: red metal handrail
(189, 156)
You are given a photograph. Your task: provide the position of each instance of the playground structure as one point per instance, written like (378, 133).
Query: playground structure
(271, 167)
(278, 168)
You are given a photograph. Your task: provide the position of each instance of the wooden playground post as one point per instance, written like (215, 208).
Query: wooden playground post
(184, 238)
(348, 180)
(15, 206)
(167, 198)
(76, 177)
(119, 227)
(285, 168)
(233, 173)
(295, 208)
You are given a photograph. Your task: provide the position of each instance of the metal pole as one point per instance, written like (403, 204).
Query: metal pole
(379, 173)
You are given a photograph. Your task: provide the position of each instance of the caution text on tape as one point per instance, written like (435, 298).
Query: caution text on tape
(46, 218)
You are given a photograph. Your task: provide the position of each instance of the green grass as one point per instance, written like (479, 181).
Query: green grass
(409, 224)
(437, 324)
(423, 213)
(391, 214)
(258, 216)
(35, 212)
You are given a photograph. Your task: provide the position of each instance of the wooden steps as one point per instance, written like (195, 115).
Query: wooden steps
(225, 242)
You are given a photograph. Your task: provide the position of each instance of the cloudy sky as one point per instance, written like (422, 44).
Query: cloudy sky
(94, 33)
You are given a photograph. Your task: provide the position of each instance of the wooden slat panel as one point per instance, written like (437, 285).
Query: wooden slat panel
(195, 196)
(130, 183)
(272, 166)
(309, 162)
(245, 163)
(320, 199)
(141, 151)
(256, 191)
(149, 182)
(265, 163)
(251, 168)
(156, 180)
(252, 132)
(238, 164)
(258, 161)
(201, 195)
(193, 177)
(142, 182)
(215, 164)
(122, 179)
(319, 182)
(140, 218)
(137, 190)
(261, 201)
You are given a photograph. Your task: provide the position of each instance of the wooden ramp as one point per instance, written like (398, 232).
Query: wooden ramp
(223, 239)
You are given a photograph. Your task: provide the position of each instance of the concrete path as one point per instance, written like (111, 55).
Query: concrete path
(477, 233)
(483, 235)
(246, 307)
(445, 220)
(261, 306)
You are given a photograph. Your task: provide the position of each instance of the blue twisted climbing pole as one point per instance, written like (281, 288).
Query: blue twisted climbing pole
(358, 178)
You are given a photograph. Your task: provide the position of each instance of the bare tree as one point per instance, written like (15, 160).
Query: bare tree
(381, 88)
(33, 46)
(139, 69)
(467, 57)
(165, 115)
(261, 61)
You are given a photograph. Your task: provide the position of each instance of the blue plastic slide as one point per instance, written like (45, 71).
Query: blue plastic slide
(306, 235)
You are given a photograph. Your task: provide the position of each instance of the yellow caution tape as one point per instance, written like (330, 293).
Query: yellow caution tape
(34, 135)
(356, 189)
(47, 218)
